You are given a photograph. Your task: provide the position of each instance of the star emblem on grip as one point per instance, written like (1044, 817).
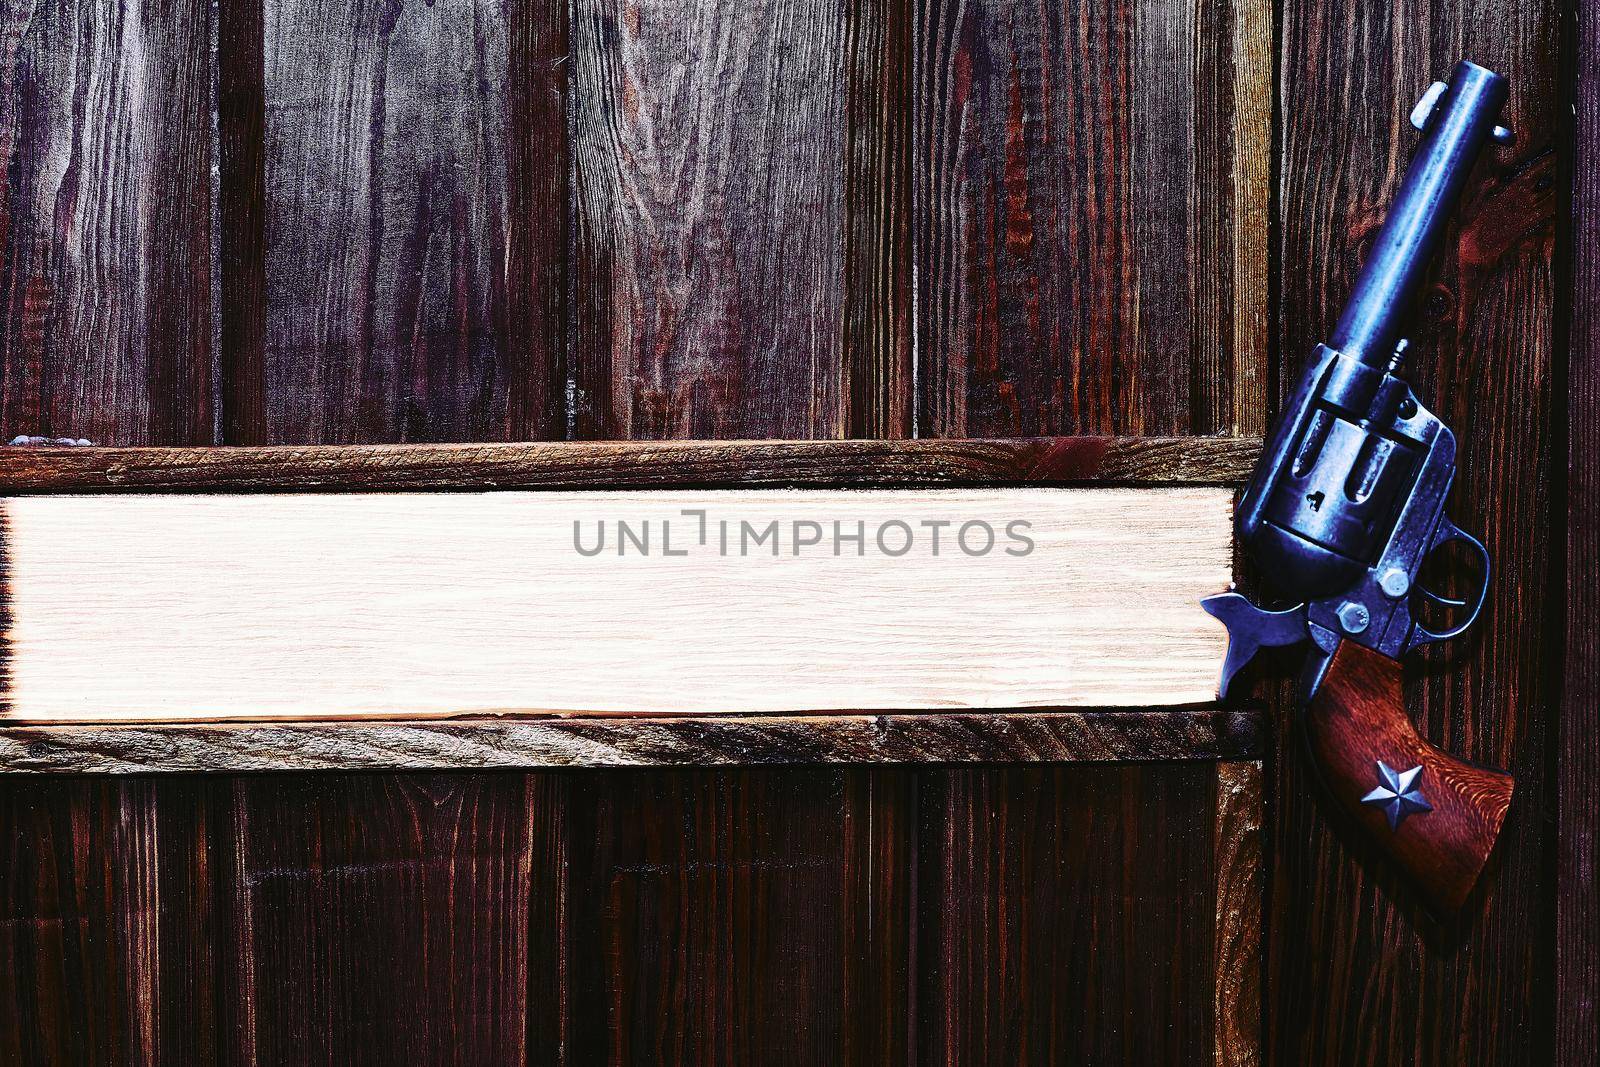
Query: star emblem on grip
(1397, 793)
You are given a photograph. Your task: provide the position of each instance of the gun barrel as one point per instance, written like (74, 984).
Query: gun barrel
(1454, 133)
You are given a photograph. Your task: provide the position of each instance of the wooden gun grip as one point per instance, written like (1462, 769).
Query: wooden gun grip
(1356, 719)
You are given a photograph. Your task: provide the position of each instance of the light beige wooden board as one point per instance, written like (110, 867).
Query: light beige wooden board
(182, 607)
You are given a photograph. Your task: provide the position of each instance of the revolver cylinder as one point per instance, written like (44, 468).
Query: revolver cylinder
(1355, 455)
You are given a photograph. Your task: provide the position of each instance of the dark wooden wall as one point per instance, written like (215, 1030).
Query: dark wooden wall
(1577, 754)
(508, 219)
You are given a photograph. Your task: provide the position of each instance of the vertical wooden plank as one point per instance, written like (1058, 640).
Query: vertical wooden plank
(105, 221)
(106, 922)
(879, 901)
(1229, 202)
(880, 400)
(1084, 196)
(708, 915)
(1253, 96)
(1578, 747)
(548, 1002)
(1163, 189)
(58, 939)
(235, 937)
(1090, 225)
(241, 220)
(136, 902)
(411, 229)
(1236, 846)
(710, 156)
(107, 333)
(1024, 247)
(740, 256)
(535, 316)
(389, 916)
(394, 189)
(1065, 914)
(1357, 974)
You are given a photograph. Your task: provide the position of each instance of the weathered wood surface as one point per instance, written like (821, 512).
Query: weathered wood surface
(1241, 881)
(405, 259)
(624, 465)
(240, 295)
(1091, 226)
(1577, 926)
(1356, 974)
(112, 922)
(319, 894)
(1116, 183)
(105, 221)
(687, 890)
(1031, 883)
(879, 357)
(711, 217)
(775, 740)
(1091, 216)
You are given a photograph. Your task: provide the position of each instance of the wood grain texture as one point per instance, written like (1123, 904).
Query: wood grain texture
(1090, 233)
(944, 737)
(1357, 719)
(1235, 100)
(1355, 973)
(1090, 189)
(109, 928)
(785, 912)
(165, 607)
(709, 165)
(105, 221)
(878, 358)
(398, 906)
(241, 118)
(1577, 925)
(1064, 915)
(1143, 461)
(410, 233)
(712, 918)
(1241, 880)
(1089, 247)
(737, 271)
(878, 892)
(395, 181)
(549, 938)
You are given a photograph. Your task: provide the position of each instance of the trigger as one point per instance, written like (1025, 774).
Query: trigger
(1251, 629)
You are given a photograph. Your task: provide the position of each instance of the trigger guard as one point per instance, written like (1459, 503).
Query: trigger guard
(1440, 598)
(1446, 532)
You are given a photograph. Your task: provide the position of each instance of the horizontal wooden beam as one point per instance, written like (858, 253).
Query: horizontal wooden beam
(1173, 732)
(995, 737)
(619, 465)
(172, 607)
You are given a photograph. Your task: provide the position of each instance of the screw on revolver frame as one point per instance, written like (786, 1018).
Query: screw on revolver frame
(1353, 617)
(1394, 583)
(1398, 357)
(1408, 404)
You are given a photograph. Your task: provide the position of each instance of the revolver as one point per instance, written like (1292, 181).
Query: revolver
(1344, 506)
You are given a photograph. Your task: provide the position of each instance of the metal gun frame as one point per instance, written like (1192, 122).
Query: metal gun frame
(1347, 501)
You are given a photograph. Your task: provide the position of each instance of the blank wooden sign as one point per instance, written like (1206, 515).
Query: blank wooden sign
(182, 607)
